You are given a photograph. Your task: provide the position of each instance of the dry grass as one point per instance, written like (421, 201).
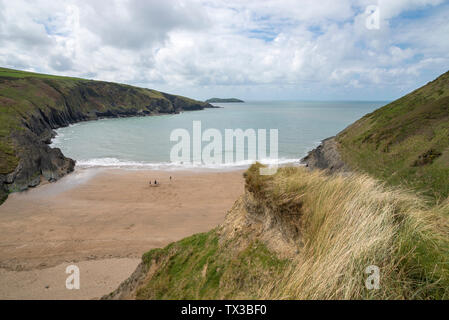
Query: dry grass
(348, 223)
(335, 225)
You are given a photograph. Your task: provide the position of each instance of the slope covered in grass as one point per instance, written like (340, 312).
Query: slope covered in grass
(307, 235)
(348, 223)
(200, 267)
(32, 105)
(406, 142)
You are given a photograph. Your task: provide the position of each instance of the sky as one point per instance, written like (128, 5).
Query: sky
(249, 49)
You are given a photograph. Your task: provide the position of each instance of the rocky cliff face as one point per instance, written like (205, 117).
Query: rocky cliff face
(325, 156)
(31, 108)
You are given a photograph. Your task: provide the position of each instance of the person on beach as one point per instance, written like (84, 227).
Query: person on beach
(155, 182)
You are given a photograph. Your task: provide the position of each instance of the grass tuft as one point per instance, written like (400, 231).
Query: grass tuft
(351, 222)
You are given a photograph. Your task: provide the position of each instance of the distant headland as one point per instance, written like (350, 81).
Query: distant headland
(212, 100)
(34, 105)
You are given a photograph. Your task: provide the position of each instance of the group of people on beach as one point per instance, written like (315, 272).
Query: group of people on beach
(157, 183)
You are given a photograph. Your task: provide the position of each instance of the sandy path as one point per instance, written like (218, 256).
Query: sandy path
(95, 216)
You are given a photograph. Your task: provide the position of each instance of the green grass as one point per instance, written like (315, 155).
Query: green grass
(200, 267)
(406, 142)
(11, 73)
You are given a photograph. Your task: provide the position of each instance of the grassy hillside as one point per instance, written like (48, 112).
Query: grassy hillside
(12, 73)
(302, 234)
(200, 267)
(406, 142)
(32, 105)
(347, 223)
(308, 235)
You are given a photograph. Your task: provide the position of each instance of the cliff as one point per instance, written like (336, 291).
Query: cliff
(325, 156)
(33, 105)
(405, 143)
(302, 234)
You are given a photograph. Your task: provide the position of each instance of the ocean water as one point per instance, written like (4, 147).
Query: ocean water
(144, 142)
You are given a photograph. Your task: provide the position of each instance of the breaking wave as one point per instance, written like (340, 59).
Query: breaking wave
(117, 163)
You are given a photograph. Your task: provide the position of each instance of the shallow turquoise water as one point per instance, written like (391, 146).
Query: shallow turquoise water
(145, 141)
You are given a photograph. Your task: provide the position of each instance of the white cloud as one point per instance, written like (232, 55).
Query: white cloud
(304, 49)
(391, 9)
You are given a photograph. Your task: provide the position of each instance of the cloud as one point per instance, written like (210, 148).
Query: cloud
(201, 48)
(136, 24)
(391, 9)
(60, 63)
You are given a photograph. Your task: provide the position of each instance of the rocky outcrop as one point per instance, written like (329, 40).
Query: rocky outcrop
(37, 161)
(36, 107)
(325, 156)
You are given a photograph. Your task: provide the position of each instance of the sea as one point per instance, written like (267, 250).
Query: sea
(148, 142)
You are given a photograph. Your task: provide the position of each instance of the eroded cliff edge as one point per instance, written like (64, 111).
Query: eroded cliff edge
(32, 106)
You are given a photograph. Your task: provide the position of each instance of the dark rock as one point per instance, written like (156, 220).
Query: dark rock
(37, 160)
(426, 158)
(325, 156)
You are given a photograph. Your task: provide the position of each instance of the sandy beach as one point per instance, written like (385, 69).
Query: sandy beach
(102, 220)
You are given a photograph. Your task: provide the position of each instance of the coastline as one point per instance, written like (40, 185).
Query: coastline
(99, 214)
(27, 159)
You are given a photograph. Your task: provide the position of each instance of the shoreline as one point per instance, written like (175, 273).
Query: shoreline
(99, 214)
(74, 102)
(169, 166)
